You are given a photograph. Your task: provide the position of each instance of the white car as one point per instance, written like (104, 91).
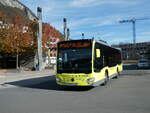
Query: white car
(143, 64)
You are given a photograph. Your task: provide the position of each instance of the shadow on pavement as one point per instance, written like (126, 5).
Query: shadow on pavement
(46, 83)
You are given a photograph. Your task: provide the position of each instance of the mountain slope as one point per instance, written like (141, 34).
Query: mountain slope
(14, 7)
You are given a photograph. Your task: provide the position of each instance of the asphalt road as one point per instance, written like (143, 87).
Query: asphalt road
(130, 93)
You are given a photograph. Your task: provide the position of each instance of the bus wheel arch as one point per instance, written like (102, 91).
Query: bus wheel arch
(106, 73)
(117, 73)
(106, 79)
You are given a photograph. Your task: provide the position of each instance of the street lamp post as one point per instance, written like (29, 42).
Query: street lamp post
(39, 38)
(82, 35)
(17, 56)
(65, 29)
(68, 34)
(17, 60)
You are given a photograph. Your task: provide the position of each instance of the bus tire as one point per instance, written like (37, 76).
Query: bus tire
(106, 78)
(117, 74)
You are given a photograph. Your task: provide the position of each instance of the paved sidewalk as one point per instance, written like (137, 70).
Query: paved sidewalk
(14, 75)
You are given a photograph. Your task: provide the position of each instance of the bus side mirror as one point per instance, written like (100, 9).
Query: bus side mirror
(98, 53)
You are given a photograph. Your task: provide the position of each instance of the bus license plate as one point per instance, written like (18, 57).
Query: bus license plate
(71, 84)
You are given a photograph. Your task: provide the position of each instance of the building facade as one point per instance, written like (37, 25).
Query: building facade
(134, 51)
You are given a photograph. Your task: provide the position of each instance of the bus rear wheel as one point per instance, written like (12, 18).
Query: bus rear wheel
(106, 78)
(117, 74)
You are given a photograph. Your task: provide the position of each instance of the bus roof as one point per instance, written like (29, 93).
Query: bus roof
(99, 41)
(75, 40)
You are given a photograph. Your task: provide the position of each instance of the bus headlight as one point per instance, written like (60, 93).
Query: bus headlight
(90, 80)
(58, 79)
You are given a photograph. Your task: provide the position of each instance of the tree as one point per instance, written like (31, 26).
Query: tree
(50, 33)
(20, 38)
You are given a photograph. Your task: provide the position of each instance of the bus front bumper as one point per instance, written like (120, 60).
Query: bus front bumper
(81, 84)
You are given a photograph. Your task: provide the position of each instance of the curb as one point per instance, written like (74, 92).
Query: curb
(28, 75)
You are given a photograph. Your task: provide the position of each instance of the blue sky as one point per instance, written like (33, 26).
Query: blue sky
(97, 18)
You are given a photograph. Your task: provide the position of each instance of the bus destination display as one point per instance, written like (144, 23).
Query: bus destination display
(75, 45)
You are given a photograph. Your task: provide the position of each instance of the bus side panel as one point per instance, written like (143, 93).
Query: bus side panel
(114, 70)
(120, 67)
(100, 76)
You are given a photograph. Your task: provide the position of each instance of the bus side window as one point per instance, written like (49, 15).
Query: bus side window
(99, 58)
(98, 63)
(113, 59)
(106, 59)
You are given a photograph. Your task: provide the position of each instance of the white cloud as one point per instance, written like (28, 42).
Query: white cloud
(83, 3)
(95, 21)
(93, 16)
(118, 40)
(105, 22)
(109, 20)
(90, 3)
(143, 36)
(58, 25)
(80, 22)
(110, 34)
(147, 33)
(72, 24)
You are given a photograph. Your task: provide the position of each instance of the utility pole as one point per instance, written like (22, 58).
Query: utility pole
(39, 38)
(65, 29)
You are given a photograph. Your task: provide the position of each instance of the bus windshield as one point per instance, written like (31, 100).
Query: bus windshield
(74, 60)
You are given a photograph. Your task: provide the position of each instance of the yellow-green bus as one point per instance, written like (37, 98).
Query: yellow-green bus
(86, 62)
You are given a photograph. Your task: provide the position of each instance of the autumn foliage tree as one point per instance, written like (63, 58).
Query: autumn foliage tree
(15, 40)
(49, 33)
(20, 37)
